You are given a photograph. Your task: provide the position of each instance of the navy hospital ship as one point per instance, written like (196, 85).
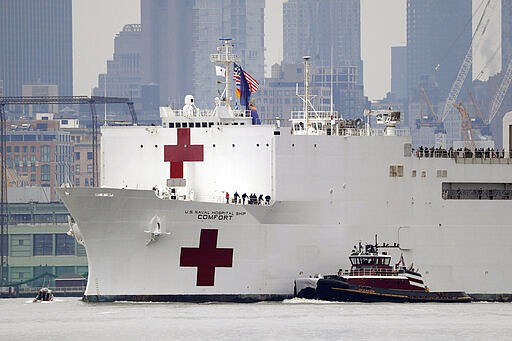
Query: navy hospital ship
(166, 224)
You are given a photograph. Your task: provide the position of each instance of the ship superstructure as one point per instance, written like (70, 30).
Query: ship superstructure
(174, 218)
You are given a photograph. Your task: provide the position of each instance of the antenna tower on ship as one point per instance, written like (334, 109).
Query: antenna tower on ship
(306, 90)
(226, 58)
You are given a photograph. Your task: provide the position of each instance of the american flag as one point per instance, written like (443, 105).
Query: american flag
(253, 83)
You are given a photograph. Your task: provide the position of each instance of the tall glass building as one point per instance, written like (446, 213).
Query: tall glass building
(36, 45)
(179, 36)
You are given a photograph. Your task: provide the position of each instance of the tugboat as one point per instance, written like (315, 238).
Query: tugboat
(43, 295)
(371, 278)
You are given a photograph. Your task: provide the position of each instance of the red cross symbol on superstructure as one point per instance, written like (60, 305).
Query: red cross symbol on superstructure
(207, 257)
(183, 151)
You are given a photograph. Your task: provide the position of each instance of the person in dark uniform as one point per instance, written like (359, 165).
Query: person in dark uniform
(236, 196)
(244, 197)
(267, 199)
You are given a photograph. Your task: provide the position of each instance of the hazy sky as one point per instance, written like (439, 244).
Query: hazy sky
(383, 24)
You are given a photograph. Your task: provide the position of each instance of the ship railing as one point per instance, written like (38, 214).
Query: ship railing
(193, 113)
(382, 132)
(322, 115)
(369, 272)
(62, 290)
(208, 113)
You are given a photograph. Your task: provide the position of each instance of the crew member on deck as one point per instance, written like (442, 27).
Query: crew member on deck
(227, 197)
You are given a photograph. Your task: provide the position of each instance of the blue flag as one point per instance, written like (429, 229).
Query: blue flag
(242, 86)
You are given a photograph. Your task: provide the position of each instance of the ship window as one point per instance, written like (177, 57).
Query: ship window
(198, 125)
(210, 124)
(423, 174)
(442, 173)
(257, 144)
(171, 124)
(178, 125)
(413, 173)
(396, 171)
(204, 125)
(233, 145)
(165, 126)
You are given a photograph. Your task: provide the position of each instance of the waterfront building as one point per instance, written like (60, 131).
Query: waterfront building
(36, 45)
(37, 243)
(38, 153)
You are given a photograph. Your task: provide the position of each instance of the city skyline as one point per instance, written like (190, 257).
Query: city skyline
(382, 27)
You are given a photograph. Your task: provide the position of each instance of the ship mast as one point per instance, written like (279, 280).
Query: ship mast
(226, 58)
(306, 91)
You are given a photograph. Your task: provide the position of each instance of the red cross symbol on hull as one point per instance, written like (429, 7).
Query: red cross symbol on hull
(207, 257)
(183, 151)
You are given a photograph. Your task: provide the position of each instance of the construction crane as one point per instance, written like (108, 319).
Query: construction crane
(500, 94)
(435, 121)
(466, 64)
(466, 129)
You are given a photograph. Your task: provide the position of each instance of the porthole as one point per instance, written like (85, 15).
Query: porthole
(233, 145)
(293, 144)
(267, 144)
(315, 145)
(214, 145)
(257, 144)
(156, 146)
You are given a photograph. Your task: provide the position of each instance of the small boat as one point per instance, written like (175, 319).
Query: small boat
(371, 278)
(43, 295)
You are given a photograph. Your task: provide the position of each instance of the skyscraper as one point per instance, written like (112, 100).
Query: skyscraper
(321, 29)
(438, 37)
(36, 45)
(330, 32)
(506, 32)
(399, 71)
(179, 36)
(123, 77)
(166, 47)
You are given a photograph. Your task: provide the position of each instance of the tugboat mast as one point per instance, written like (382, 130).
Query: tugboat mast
(226, 57)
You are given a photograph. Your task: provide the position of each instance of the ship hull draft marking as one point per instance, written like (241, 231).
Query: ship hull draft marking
(183, 151)
(207, 257)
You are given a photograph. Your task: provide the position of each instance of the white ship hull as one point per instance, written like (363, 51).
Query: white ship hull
(329, 191)
(328, 182)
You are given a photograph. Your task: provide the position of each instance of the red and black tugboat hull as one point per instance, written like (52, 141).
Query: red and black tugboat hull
(330, 289)
(339, 290)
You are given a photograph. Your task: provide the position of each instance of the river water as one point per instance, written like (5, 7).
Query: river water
(72, 319)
